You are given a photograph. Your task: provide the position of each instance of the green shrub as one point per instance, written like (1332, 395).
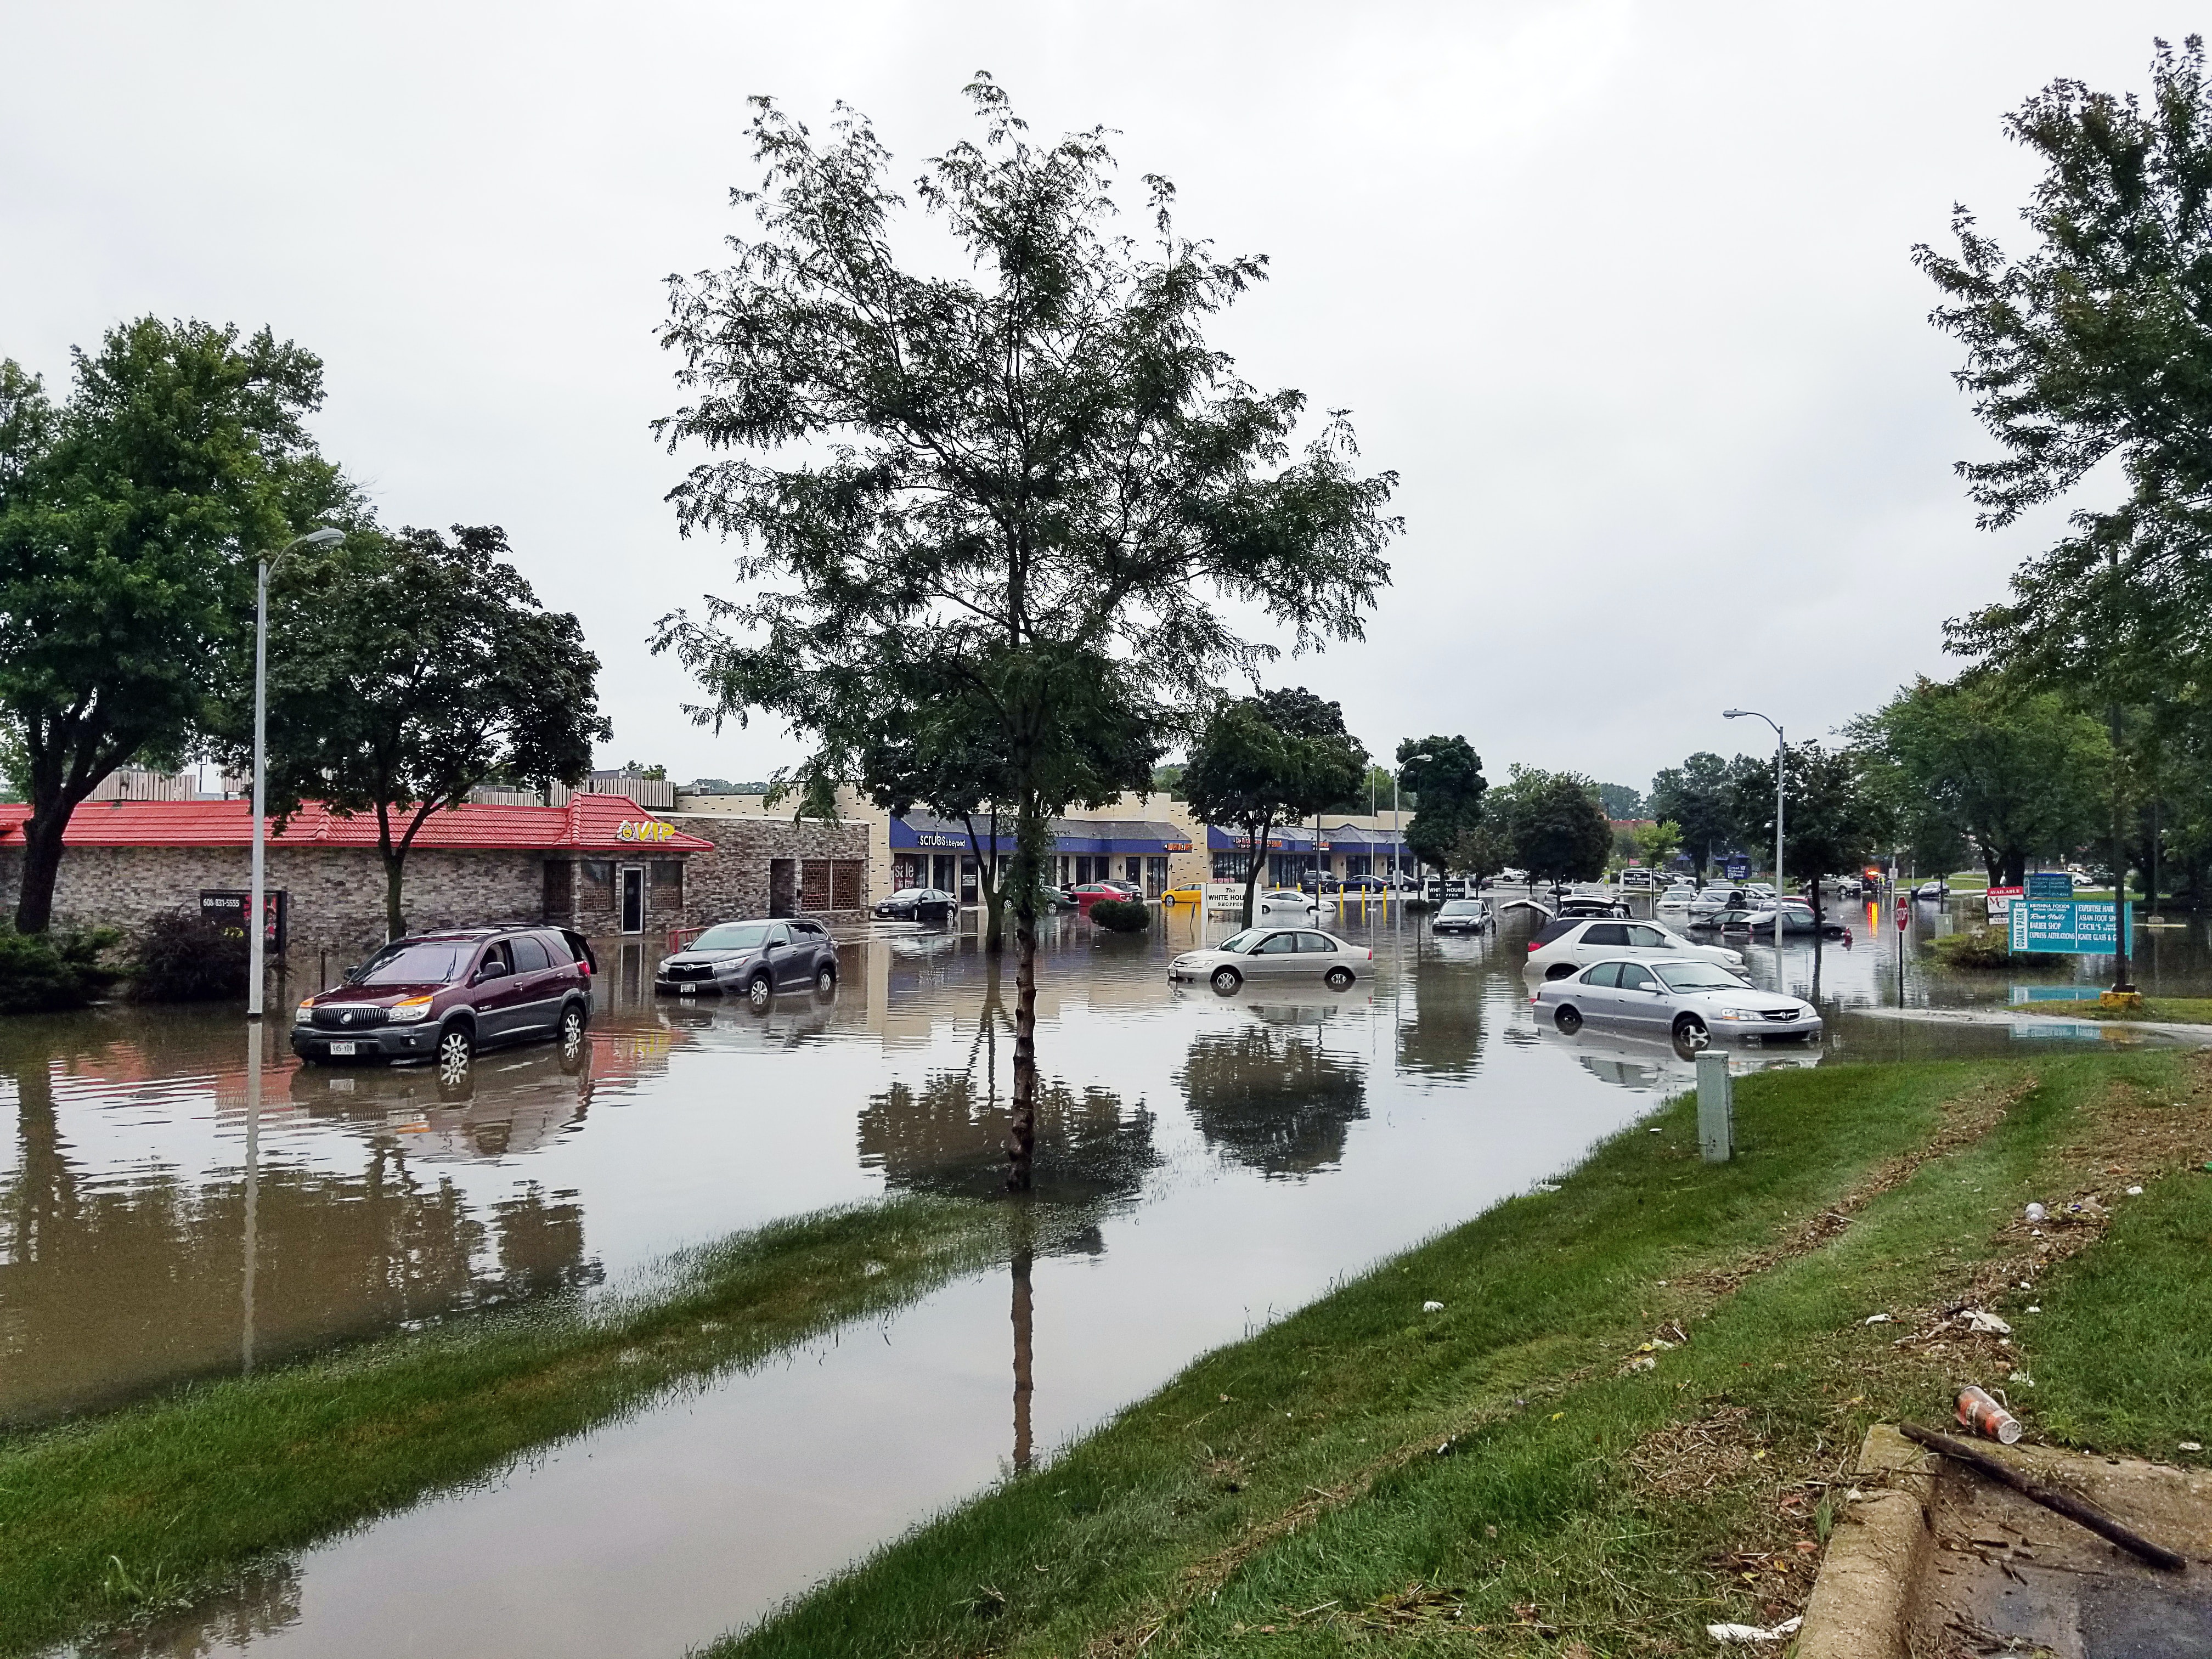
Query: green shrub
(1979, 947)
(1122, 915)
(41, 973)
(1418, 905)
(182, 956)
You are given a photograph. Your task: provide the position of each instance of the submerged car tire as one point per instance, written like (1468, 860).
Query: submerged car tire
(571, 1025)
(1226, 980)
(1691, 1033)
(1339, 979)
(457, 1052)
(1559, 971)
(1568, 1018)
(758, 989)
(825, 979)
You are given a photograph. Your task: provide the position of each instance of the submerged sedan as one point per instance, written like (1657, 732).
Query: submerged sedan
(1272, 956)
(1692, 1002)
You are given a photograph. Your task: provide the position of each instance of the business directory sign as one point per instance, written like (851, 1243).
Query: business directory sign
(2049, 884)
(2080, 926)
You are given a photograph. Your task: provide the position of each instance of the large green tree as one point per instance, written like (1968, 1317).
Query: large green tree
(1268, 760)
(2018, 774)
(2089, 358)
(1446, 775)
(1698, 797)
(404, 670)
(130, 516)
(1021, 449)
(1555, 824)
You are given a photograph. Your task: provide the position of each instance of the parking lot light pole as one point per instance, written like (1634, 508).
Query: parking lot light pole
(1781, 757)
(255, 927)
(1397, 835)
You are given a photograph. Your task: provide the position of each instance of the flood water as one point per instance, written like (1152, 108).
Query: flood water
(1231, 1158)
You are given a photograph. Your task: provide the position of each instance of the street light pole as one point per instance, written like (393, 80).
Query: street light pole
(1781, 761)
(255, 927)
(1397, 834)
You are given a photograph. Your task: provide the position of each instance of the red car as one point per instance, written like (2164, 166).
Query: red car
(1092, 891)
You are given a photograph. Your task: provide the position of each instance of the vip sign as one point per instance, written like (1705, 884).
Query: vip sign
(650, 829)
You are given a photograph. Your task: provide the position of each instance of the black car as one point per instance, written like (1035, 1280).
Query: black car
(757, 957)
(1467, 915)
(918, 904)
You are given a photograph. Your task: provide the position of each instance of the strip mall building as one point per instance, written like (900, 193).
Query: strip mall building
(606, 865)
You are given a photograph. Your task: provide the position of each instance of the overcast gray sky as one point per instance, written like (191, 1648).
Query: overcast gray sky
(1621, 290)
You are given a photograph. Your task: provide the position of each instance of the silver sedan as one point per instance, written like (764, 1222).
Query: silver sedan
(1274, 956)
(1693, 1002)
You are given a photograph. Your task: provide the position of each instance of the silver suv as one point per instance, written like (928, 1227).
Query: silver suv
(758, 959)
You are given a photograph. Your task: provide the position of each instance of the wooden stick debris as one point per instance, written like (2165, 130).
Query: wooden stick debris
(2063, 1503)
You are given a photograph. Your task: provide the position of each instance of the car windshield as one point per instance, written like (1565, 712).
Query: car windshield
(1462, 907)
(734, 936)
(1238, 944)
(908, 893)
(1698, 976)
(431, 962)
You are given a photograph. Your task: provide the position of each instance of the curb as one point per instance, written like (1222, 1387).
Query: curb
(1863, 1601)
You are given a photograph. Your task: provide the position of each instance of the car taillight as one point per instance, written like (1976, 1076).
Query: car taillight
(1534, 945)
(1371, 955)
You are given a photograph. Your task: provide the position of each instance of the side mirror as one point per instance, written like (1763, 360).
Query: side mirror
(349, 974)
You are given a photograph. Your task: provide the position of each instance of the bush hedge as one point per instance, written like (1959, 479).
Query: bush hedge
(41, 973)
(1122, 915)
(182, 956)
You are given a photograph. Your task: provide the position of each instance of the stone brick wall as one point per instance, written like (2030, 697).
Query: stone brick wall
(337, 893)
(733, 880)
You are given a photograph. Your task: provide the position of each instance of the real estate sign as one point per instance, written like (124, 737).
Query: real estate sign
(2000, 901)
(2082, 926)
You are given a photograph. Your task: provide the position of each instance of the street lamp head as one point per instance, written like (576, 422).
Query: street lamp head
(1734, 714)
(323, 538)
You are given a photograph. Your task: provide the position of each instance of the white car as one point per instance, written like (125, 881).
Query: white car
(1283, 902)
(1559, 948)
(1677, 898)
(1692, 1002)
(1274, 956)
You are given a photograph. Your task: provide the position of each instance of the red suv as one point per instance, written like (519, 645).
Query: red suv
(444, 995)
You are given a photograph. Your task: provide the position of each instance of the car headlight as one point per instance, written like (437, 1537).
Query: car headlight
(305, 1013)
(665, 961)
(1738, 1013)
(410, 1008)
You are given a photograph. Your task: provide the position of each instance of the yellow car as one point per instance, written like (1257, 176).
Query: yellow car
(1190, 893)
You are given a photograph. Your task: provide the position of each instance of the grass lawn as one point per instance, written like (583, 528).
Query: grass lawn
(2180, 1011)
(1634, 1410)
(133, 1511)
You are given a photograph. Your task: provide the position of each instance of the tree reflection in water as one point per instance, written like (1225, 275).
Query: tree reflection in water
(1272, 1096)
(111, 1285)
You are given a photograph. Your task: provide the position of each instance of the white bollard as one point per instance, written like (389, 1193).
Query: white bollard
(1716, 1107)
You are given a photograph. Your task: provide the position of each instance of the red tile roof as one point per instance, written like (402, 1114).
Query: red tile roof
(588, 823)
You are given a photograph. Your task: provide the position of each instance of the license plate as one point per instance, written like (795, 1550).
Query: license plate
(339, 1049)
(687, 990)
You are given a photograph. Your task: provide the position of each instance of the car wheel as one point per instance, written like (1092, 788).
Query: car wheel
(1339, 979)
(571, 1025)
(457, 1050)
(1226, 980)
(1689, 1033)
(758, 990)
(825, 979)
(1568, 1018)
(1559, 971)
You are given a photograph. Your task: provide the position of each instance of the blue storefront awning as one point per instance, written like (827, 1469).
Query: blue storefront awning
(919, 832)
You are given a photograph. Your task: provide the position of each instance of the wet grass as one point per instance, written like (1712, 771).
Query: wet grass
(2178, 1010)
(1506, 1475)
(127, 1514)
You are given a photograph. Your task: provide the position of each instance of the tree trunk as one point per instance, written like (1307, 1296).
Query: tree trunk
(2015, 868)
(395, 924)
(1258, 834)
(2121, 978)
(1021, 1127)
(1993, 862)
(42, 867)
(1024, 1357)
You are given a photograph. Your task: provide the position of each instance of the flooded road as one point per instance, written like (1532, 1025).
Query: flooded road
(1231, 1158)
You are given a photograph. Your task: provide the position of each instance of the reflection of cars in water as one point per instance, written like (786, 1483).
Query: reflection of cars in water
(757, 957)
(1470, 915)
(531, 1092)
(1273, 956)
(449, 994)
(1659, 1066)
(1691, 1001)
(784, 1021)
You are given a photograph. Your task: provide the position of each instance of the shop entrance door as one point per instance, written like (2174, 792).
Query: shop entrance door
(633, 898)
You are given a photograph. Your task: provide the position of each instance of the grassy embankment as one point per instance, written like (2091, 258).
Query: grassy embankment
(1507, 1476)
(2176, 1011)
(128, 1512)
